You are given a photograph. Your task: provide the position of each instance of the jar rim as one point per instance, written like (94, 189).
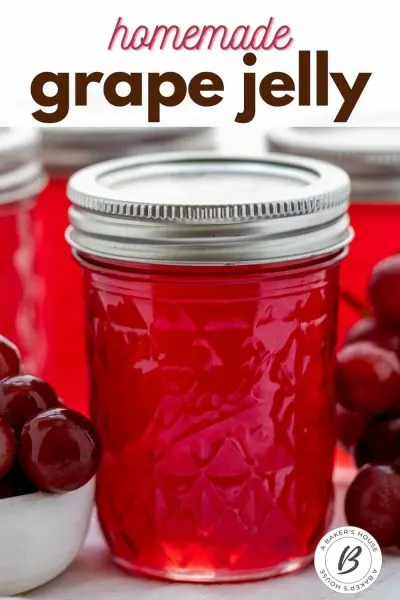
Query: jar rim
(21, 170)
(91, 135)
(67, 149)
(370, 155)
(100, 187)
(14, 139)
(280, 206)
(361, 141)
(123, 267)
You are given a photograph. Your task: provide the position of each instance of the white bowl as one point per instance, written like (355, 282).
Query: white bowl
(40, 535)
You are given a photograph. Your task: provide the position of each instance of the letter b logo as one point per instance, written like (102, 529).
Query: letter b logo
(349, 559)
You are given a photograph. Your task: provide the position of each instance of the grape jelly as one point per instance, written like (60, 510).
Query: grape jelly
(211, 288)
(21, 180)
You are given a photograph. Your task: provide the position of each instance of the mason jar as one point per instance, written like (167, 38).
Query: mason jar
(371, 156)
(66, 150)
(211, 286)
(21, 180)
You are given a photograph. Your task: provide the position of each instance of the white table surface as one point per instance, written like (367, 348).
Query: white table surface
(94, 577)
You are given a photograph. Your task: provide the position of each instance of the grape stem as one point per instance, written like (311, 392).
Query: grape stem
(356, 304)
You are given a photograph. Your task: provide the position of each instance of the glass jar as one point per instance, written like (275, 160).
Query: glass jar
(21, 180)
(211, 289)
(371, 156)
(65, 151)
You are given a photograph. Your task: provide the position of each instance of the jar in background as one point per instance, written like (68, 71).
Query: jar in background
(211, 287)
(371, 156)
(21, 180)
(65, 151)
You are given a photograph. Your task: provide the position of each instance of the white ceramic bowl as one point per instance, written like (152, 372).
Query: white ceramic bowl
(40, 535)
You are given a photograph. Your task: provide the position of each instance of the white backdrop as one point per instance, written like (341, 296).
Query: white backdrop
(43, 35)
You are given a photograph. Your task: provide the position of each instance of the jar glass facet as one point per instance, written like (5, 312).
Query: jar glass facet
(212, 391)
(22, 283)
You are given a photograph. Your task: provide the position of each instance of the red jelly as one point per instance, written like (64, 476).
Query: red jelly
(211, 289)
(65, 151)
(21, 179)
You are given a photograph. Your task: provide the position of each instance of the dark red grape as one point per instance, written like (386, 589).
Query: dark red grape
(23, 397)
(8, 447)
(350, 426)
(10, 360)
(367, 378)
(384, 290)
(373, 503)
(379, 443)
(16, 483)
(368, 330)
(59, 450)
(393, 413)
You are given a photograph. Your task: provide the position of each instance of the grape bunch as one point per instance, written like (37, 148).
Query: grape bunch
(368, 407)
(44, 446)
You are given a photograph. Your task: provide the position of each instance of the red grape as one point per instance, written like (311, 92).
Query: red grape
(59, 450)
(373, 503)
(350, 426)
(16, 483)
(10, 360)
(379, 443)
(8, 447)
(384, 290)
(23, 397)
(367, 378)
(368, 330)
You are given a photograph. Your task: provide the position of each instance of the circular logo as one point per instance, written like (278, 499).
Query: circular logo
(348, 560)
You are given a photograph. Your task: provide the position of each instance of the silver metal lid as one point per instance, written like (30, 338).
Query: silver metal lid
(21, 171)
(370, 155)
(208, 209)
(67, 149)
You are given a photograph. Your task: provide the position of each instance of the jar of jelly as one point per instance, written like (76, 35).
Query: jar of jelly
(66, 150)
(211, 289)
(21, 180)
(371, 156)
